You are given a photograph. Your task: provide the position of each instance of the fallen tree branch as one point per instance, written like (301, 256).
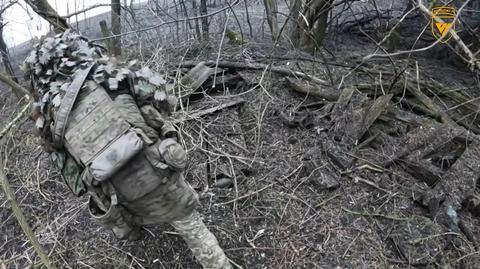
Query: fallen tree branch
(426, 101)
(17, 211)
(15, 86)
(257, 66)
(312, 90)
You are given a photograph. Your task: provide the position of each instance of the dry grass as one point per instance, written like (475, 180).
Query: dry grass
(275, 215)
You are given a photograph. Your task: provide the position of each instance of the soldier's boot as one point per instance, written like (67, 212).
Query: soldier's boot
(201, 241)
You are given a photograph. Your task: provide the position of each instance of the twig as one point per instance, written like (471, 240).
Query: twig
(220, 49)
(85, 10)
(322, 203)
(374, 215)
(15, 120)
(371, 184)
(420, 240)
(246, 195)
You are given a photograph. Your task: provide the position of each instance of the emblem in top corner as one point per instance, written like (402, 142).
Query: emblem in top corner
(442, 22)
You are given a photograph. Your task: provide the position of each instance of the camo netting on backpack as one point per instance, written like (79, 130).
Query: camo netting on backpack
(116, 141)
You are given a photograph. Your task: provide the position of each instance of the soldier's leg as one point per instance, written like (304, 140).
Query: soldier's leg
(201, 241)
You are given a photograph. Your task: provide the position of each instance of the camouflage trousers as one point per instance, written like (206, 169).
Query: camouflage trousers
(201, 241)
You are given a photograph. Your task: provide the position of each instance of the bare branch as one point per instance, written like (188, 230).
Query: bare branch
(15, 86)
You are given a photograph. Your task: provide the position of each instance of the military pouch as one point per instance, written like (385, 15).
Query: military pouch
(98, 135)
(71, 172)
(138, 178)
(116, 155)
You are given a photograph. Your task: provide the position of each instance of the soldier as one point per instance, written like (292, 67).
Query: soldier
(105, 124)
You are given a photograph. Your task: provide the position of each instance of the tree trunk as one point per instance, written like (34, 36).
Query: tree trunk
(203, 12)
(183, 7)
(271, 11)
(197, 24)
(43, 8)
(116, 28)
(309, 23)
(6, 62)
(106, 33)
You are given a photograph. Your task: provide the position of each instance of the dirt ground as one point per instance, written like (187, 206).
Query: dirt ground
(306, 182)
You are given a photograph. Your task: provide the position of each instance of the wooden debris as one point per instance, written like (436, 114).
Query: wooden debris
(353, 115)
(342, 102)
(257, 66)
(312, 90)
(423, 170)
(460, 181)
(371, 114)
(427, 102)
(180, 117)
(425, 138)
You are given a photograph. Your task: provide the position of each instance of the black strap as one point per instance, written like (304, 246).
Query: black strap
(66, 106)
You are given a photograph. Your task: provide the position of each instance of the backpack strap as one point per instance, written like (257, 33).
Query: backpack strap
(66, 106)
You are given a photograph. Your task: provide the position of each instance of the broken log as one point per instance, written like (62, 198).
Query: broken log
(425, 138)
(427, 102)
(371, 114)
(257, 66)
(312, 90)
(342, 102)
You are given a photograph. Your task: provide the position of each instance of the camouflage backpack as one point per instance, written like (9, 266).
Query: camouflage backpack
(97, 115)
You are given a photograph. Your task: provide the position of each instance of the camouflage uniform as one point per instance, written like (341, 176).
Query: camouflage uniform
(106, 126)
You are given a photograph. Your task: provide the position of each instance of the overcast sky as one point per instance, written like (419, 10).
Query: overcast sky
(23, 25)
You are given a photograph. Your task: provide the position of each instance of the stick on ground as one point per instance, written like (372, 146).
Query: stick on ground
(17, 211)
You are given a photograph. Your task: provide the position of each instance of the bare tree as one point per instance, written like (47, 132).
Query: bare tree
(116, 28)
(6, 61)
(197, 24)
(203, 12)
(309, 23)
(271, 12)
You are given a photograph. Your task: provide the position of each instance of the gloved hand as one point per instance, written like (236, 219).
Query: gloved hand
(173, 154)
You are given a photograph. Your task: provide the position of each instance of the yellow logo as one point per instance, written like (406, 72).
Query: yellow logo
(443, 20)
